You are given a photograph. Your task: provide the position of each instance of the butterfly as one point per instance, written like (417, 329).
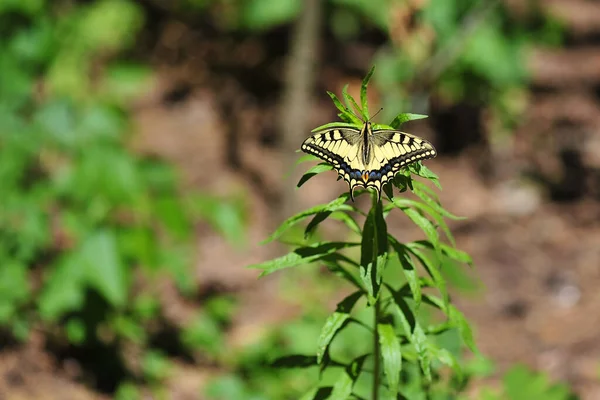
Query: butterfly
(367, 157)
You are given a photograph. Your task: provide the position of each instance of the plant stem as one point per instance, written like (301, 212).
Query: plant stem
(376, 351)
(377, 308)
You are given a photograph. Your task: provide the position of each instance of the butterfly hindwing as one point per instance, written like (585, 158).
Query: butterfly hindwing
(340, 147)
(393, 150)
(366, 157)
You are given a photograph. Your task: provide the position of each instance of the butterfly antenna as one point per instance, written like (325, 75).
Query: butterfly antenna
(374, 115)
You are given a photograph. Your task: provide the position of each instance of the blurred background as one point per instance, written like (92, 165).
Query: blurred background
(147, 147)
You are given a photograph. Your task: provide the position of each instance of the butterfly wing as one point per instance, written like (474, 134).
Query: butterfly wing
(367, 158)
(392, 150)
(341, 147)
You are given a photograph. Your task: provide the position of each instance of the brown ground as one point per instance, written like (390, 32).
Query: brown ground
(537, 259)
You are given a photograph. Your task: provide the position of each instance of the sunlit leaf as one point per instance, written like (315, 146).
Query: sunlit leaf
(350, 102)
(405, 117)
(363, 93)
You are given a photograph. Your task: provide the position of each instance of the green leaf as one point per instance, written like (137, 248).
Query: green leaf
(391, 354)
(338, 104)
(408, 268)
(331, 125)
(421, 170)
(348, 221)
(363, 93)
(335, 205)
(373, 257)
(350, 102)
(301, 256)
(335, 323)
(456, 318)
(317, 169)
(414, 332)
(445, 357)
(264, 14)
(100, 259)
(314, 223)
(425, 225)
(306, 158)
(318, 393)
(332, 262)
(432, 268)
(423, 192)
(404, 204)
(405, 117)
(342, 389)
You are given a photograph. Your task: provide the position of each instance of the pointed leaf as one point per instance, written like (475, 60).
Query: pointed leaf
(306, 158)
(391, 354)
(331, 125)
(408, 268)
(105, 272)
(363, 94)
(301, 256)
(350, 102)
(348, 221)
(336, 322)
(317, 169)
(405, 117)
(425, 225)
(314, 223)
(457, 319)
(421, 170)
(432, 267)
(337, 204)
(345, 114)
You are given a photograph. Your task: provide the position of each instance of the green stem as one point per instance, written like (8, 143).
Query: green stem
(376, 351)
(377, 310)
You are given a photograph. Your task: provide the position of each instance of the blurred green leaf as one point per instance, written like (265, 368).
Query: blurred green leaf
(203, 333)
(226, 216)
(264, 14)
(155, 365)
(392, 356)
(104, 271)
(14, 289)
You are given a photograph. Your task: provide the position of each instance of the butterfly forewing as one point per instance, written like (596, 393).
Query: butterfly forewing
(367, 157)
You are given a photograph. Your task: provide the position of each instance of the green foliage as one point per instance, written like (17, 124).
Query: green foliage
(87, 227)
(520, 383)
(403, 341)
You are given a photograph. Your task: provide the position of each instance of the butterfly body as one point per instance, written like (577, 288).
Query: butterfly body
(367, 157)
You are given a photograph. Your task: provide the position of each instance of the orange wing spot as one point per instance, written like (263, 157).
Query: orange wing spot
(365, 176)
